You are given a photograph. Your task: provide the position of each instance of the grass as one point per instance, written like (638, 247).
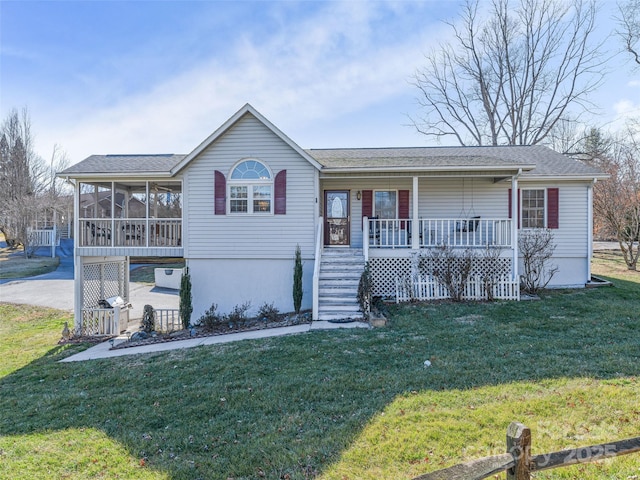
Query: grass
(337, 404)
(14, 265)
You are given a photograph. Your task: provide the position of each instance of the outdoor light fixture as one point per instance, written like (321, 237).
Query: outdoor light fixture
(359, 195)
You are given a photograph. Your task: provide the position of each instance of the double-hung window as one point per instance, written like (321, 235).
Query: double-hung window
(533, 208)
(386, 204)
(250, 188)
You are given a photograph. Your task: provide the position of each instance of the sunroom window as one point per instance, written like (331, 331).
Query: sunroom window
(250, 188)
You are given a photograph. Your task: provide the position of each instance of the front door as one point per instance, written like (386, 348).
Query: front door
(336, 213)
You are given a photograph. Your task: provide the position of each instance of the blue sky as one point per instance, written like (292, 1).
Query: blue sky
(160, 76)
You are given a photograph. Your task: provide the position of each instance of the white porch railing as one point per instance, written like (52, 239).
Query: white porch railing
(130, 232)
(423, 288)
(316, 268)
(456, 232)
(48, 237)
(101, 321)
(167, 319)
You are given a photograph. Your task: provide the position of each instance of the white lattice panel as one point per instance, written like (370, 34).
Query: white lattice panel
(388, 273)
(385, 271)
(103, 280)
(480, 266)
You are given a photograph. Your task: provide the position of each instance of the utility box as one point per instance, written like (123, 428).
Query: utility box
(168, 277)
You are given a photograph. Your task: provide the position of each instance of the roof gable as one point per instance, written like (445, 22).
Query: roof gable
(247, 109)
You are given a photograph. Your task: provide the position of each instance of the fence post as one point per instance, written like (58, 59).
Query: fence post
(519, 445)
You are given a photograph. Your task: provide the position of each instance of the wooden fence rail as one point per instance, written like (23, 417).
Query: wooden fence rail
(518, 462)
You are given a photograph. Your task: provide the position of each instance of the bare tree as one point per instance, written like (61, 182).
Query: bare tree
(28, 183)
(536, 247)
(616, 201)
(509, 77)
(629, 27)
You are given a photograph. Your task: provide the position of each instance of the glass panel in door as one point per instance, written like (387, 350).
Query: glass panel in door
(337, 227)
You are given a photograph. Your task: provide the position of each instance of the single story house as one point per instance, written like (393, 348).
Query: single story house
(238, 205)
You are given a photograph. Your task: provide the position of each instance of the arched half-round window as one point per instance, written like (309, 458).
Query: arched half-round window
(250, 188)
(251, 170)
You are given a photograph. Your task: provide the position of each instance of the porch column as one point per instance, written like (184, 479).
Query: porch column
(514, 225)
(415, 219)
(77, 263)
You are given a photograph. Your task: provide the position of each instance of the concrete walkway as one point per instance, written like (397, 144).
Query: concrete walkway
(102, 350)
(55, 289)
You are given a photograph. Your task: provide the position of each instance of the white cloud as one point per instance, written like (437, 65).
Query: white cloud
(337, 61)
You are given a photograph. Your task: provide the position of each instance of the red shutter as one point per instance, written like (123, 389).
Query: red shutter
(403, 206)
(367, 203)
(280, 193)
(553, 204)
(510, 204)
(220, 193)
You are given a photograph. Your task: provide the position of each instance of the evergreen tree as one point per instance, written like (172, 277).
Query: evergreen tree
(297, 281)
(186, 299)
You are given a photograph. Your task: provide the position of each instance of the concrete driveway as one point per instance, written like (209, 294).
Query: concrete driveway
(55, 289)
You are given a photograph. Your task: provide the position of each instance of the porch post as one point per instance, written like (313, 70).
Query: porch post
(514, 225)
(415, 219)
(77, 263)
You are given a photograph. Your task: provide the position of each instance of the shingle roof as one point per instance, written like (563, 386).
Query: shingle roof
(547, 161)
(123, 164)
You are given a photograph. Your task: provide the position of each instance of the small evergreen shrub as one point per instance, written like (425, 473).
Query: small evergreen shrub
(186, 299)
(364, 290)
(268, 311)
(238, 315)
(297, 281)
(148, 319)
(211, 318)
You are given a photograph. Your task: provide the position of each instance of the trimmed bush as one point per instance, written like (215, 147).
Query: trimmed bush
(148, 319)
(297, 281)
(186, 299)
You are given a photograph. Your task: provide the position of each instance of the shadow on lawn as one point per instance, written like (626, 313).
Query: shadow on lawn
(288, 407)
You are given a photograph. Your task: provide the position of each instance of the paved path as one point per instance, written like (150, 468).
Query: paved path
(102, 350)
(55, 289)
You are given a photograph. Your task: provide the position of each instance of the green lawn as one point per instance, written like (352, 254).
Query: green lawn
(348, 404)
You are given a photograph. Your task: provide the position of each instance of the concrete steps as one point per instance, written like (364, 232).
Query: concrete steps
(340, 271)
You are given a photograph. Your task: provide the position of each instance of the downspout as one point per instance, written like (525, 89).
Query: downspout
(590, 227)
(514, 225)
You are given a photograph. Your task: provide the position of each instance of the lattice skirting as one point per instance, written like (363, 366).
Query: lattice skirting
(387, 273)
(102, 281)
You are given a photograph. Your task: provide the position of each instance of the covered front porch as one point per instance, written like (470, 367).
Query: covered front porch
(401, 219)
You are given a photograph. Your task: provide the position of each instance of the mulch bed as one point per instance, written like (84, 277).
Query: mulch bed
(223, 329)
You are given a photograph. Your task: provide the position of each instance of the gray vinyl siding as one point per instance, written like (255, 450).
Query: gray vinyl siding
(249, 236)
(571, 237)
(460, 198)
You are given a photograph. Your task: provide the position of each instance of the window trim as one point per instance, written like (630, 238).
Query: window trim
(373, 202)
(250, 184)
(545, 207)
